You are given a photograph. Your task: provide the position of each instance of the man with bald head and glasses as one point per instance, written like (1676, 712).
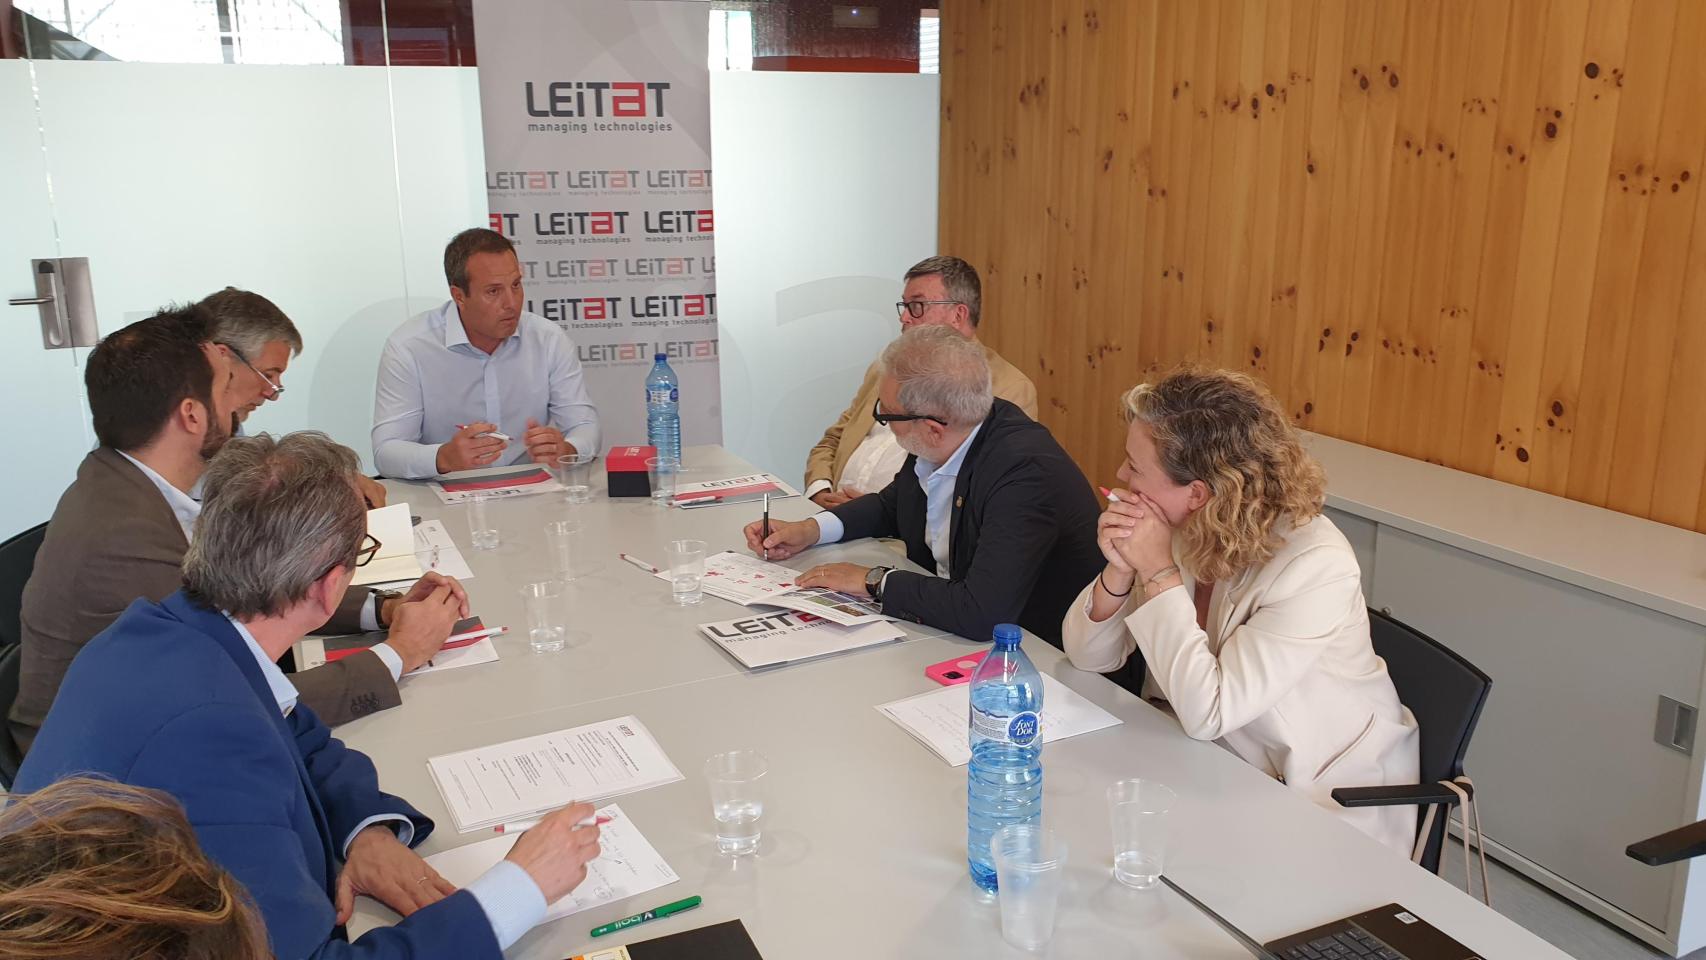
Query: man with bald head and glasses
(985, 500)
(858, 453)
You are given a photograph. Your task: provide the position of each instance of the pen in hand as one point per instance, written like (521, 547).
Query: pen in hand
(764, 540)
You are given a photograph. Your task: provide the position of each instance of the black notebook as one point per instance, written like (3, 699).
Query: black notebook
(722, 941)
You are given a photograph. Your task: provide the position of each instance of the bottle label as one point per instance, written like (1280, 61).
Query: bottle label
(1021, 729)
(672, 395)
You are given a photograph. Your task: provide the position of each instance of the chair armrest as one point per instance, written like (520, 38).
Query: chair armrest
(1684, 843)
(1407, 794)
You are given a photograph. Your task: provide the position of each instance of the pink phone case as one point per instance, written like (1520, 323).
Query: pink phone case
(954, 669)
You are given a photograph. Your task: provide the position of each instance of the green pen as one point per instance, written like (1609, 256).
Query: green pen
(653, 914)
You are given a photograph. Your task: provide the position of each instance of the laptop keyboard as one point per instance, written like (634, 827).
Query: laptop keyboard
(1349, 944)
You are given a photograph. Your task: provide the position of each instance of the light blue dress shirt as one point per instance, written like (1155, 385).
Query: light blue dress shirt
(512, 902)
(938, 485)
(431, 379)
(187, 508)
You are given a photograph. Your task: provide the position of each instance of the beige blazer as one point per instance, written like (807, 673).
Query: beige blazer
(829, 458)
(1285, 676)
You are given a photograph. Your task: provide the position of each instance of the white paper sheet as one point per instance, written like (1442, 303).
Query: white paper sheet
(627, 865)
(396, 557)
(938, 719)
(764, 639)
(523, 778)
(749, 581)
(528, 479)
(749, 488)
(480, 651)
(430, 535)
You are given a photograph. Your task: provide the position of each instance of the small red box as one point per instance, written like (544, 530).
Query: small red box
(625, 471)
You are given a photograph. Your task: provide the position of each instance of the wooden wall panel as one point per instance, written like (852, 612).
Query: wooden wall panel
(1460, 230)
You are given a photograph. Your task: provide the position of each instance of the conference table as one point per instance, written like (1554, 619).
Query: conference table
(863, 852)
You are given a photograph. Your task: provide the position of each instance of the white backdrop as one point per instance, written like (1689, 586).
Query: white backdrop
(179, 179)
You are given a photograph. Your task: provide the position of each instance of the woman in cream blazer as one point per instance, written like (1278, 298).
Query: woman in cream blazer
(1244, 601)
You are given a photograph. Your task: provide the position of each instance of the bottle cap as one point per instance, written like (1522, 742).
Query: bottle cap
(1008, 634)
(659, 358)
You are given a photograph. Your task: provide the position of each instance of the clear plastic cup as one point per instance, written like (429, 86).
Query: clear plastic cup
(566, 545)
(574, 472)
(545, 630)
(661, 471)
(736, 779)
(480, 529)
(686, 559)
(1030, 867)
(1137, 810)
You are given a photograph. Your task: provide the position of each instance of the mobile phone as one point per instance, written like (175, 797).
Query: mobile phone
(954, 669)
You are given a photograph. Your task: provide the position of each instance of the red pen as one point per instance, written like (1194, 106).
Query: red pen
(1110, 494)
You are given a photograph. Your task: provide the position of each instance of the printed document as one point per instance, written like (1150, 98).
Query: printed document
(938, 719)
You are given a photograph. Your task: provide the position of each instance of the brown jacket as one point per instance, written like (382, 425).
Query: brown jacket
(829, 458)
(112, 539)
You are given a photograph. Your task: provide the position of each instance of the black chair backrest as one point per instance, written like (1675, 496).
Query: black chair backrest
(10, 758)
(1444, 691)
(17, 559)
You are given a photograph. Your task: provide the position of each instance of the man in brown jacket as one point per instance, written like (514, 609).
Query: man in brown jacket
(857, 455)
(121, 529)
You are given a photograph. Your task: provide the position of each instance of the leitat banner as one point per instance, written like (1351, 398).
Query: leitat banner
(597, 120)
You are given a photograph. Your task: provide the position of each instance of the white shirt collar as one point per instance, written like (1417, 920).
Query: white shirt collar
(185, 507)
(282, 689)
(951, 467)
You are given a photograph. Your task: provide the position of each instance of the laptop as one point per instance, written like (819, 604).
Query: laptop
(1384, 933)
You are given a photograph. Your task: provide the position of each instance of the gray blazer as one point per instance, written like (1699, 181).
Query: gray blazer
(112, 539)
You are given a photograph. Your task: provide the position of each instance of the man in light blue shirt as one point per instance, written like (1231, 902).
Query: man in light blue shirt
(479, 381)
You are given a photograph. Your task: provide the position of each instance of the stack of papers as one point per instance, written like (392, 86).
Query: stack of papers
(627, 865)
(746, 489)
(938, 719)
(390, 525)
(766, 639)
(512, 481)
(750, 581)
(523, 779)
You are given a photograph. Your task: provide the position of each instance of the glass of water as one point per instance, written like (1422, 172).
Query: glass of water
(661, 471)
(480, 529)
(1030, 867)
(545, 631)
(1138, 812)
(737, 799)
(686, 560)
(563, 541)
(573, 472)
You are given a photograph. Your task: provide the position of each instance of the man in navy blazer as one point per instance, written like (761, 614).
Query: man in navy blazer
(184, 696)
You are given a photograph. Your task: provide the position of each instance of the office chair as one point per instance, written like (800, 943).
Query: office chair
(1446, 693)
(10, 757)
(17, 559)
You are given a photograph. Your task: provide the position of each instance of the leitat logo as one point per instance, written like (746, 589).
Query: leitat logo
(595, 98)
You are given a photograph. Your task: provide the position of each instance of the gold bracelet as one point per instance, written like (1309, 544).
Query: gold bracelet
(1161, 573)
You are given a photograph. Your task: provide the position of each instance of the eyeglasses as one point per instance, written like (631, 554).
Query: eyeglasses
(369, 549)
(916, 307)
(885, 419)
(273, 389)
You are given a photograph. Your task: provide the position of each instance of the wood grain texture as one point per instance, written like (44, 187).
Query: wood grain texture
(1468, 231)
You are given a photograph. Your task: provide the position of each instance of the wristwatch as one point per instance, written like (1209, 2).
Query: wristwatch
(874, 582)
(379, 598)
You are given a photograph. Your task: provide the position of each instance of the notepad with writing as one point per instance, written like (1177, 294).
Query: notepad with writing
(722, 941)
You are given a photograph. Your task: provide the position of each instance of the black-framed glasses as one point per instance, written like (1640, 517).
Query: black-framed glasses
(274, 390)
(885, 419)
(916, 307)
(369, 549)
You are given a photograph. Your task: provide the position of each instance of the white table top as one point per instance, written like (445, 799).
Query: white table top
(1650, 564)
(864, 846)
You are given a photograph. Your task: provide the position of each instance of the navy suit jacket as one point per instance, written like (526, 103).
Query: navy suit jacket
(170, 697)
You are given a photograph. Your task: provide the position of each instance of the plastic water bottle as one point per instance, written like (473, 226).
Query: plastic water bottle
(1004, 782)
(663, 409)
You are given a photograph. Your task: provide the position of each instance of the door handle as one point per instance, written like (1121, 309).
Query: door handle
(29, 301)
(65, 298)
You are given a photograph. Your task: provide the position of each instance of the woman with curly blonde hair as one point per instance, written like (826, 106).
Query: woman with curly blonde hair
(1243, 599)
(95, 870)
